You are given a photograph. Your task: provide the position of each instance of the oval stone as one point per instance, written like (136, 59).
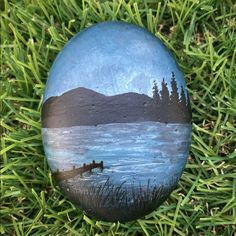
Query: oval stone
(116, 121)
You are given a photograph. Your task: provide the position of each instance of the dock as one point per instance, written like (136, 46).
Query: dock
(64, 175)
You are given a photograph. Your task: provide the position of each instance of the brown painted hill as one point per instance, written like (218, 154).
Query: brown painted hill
(83, 106)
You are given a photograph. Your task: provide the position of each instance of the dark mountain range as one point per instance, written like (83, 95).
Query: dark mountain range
(83, 106)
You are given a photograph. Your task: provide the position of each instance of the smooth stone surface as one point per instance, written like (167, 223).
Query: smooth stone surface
(116, 121)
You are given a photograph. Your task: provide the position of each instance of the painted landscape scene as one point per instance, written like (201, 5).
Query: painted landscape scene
(118, 157)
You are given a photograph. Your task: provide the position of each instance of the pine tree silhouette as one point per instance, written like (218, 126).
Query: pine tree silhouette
(165, 102)
(174, 96)
(183, 102)
(155, 92)
(172, 106)
(165, 96)
(189, 113)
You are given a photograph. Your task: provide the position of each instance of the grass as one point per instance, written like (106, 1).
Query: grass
(111, 202)
(202, 36)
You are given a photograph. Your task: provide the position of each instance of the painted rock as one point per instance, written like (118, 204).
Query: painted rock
(116, 121)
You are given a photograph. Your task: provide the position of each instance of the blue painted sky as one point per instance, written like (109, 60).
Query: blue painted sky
(112, 58)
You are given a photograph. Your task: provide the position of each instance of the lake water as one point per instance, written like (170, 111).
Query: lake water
(132, 153)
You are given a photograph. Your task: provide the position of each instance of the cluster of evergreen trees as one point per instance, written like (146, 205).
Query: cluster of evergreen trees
(172, 104)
